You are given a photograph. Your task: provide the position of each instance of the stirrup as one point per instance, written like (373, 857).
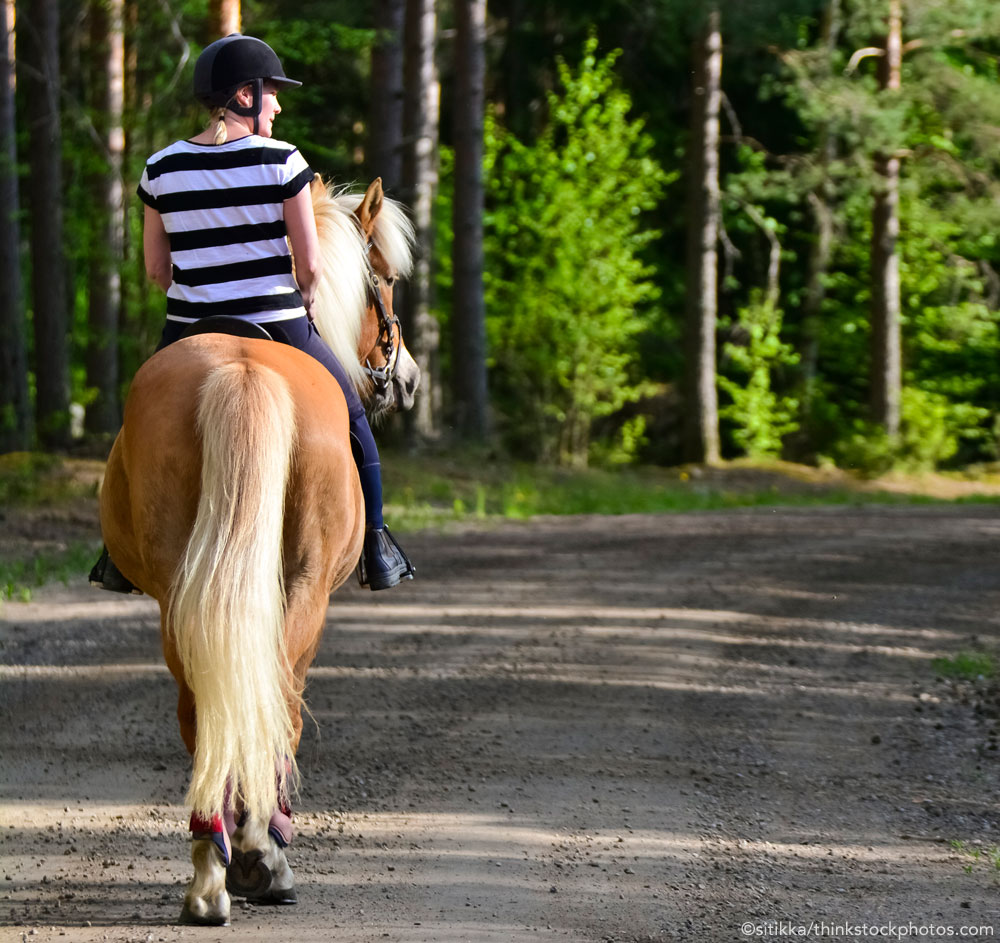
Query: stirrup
(383, 563)
(105, 575)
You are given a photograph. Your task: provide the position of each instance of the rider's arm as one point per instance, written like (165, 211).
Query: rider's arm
(301, 226)
(156, 249)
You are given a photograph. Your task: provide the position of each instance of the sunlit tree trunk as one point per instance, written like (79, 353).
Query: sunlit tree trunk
(385, 138)
(701, 419)
(15, 409)
(420, 176)
(108, 61)
(224, 17)
(469, 309)
(886, 355)
(40, 57)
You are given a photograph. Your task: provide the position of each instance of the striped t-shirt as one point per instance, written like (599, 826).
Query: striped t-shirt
(222, 207)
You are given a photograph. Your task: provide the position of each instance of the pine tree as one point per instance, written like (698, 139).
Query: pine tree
(42, 77)
(107, 50)
(566, 283)
(15, 408)
(469, 315)
(701, 425)
(420, 175)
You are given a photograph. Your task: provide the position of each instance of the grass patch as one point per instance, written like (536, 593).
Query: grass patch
(427, 490)
(982, 855)
(19, 578)
(34, 479)
(967, 666)
(431, 490)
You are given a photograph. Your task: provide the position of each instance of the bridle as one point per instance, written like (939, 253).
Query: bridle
(381, 376)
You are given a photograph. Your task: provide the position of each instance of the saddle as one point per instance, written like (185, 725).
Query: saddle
(237, 327)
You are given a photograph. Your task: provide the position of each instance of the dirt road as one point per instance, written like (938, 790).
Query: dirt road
(703, 727)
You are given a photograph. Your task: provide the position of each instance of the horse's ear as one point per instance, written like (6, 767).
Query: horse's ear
(317, 184)
(371, 206)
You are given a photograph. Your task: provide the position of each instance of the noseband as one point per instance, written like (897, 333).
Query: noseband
(381, 376)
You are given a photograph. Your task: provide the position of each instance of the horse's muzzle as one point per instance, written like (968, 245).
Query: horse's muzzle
(405, 380)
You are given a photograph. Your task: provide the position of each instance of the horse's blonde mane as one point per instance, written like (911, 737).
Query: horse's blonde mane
(393, 235)
(342, 293)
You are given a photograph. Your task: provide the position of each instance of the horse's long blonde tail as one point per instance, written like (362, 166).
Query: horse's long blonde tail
(227, 604)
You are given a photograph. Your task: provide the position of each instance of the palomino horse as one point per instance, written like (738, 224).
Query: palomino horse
(232, 498)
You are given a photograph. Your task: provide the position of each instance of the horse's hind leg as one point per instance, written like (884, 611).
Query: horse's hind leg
(206, 902)
(259, 870)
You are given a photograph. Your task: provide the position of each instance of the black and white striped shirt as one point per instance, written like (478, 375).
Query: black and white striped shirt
(222, 206)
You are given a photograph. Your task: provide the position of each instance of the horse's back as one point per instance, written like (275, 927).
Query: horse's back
(153, 479)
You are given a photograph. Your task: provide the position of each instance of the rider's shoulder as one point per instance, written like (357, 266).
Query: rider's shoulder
(277, 145)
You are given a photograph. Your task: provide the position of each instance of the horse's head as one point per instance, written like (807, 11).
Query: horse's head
(366, 245)
(394, 373)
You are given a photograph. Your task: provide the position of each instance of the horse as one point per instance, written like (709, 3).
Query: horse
(231, 497)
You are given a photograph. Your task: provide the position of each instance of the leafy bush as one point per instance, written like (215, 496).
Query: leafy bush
(930, 429)
(761, 416)
(566, 287)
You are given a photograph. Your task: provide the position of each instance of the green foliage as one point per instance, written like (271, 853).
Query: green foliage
(585, 233)
(930, 430)
(19, 476)
(326, 44)
(966, 665)
(30, 479)
(19, 578)
(942, 123)
(431, 490)
(567, 289)
(761, 416)
(986, 855)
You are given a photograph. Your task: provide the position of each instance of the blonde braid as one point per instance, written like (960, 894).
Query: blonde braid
(219, 115)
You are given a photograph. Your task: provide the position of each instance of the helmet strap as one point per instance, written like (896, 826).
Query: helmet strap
(255, 107)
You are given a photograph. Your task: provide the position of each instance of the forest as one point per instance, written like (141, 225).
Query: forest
(656, 231)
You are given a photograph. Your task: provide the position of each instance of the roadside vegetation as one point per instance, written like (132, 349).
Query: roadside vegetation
(967, 666)
(440, 490)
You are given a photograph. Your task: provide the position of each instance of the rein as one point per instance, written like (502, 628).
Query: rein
(381, 376)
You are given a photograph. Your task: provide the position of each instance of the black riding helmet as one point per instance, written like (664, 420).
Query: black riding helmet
(228, 64)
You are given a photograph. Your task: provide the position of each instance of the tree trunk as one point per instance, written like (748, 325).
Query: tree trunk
(108, 61)
(821, 253)
(224, 17)
(701, 420)
(420, 180)
(469, 309)
(41, 77)
(385, 139)
(886, 355)
(15, 407)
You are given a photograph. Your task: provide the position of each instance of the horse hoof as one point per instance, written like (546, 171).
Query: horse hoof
(247, 875)
(190, 918)
(277, 897)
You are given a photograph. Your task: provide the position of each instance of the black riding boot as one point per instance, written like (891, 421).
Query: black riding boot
(383, 563)
(106, 575)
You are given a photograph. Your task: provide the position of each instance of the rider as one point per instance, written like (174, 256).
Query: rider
(218, 208)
